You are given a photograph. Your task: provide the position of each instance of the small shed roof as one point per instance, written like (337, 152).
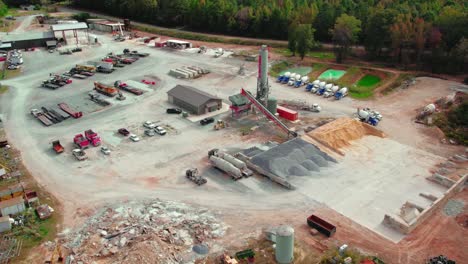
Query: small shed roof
(11, 202)
(190, 95)
(12, 37)
(61, 27)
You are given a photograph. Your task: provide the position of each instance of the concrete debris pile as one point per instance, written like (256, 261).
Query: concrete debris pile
(145, 232)
(293, 158)
(342, 131)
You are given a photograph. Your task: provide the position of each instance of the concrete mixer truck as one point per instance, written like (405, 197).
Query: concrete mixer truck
(341, 93)
(369, 116)
(286, 77)
(311, 85)
(283, 76)
(303, 81)
(293, 80)
(322, 89)
(331, 91)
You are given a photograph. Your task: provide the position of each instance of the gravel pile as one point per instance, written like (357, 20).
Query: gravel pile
(293, 158)
(453, 207)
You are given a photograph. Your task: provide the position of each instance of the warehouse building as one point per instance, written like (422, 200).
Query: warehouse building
(193, 100)
(63, 32)
(12, 207)
(27, 40)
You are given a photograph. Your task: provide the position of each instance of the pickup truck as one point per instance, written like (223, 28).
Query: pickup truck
(58, 148)
(79, 154)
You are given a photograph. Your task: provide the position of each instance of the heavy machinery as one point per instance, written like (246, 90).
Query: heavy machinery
(322, 89)
(105, 89)
(246, 254)
(58, 148)
(427, 111)
(128, 88)
(79, 154)
(56, 255)
(341, 93)
(97, 99)
(81, 141)
(93, 137)
(369, 116)
(192, 174)
(283, 77)
(220, 124)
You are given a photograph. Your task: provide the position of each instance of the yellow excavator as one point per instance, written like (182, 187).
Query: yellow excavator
(220, 124)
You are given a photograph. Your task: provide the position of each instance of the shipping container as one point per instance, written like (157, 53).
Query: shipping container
(287, 113)
(321, 225)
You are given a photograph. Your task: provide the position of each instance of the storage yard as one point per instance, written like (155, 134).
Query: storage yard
(371, 167)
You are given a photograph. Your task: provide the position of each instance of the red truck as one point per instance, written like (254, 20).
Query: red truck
(321, 225)
(57, 146)
(81, 141)
(93, 137)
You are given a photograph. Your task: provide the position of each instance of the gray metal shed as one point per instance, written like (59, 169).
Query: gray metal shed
(28, 39)
(193, 100)
(12, 206)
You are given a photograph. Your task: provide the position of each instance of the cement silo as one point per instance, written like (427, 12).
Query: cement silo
(284, 245)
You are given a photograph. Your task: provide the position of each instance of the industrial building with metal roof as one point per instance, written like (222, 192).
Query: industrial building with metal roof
(193, 100)
(27, 40)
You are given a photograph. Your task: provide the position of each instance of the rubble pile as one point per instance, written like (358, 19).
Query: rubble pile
(145, 232)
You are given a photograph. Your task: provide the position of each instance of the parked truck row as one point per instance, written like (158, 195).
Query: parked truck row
(293, 79)
(327, 89)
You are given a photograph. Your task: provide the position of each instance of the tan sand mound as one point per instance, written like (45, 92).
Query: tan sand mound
(338, 134)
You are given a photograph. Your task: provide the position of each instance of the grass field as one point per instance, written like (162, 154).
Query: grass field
(332, 74)
(364, 87)
(277, 68)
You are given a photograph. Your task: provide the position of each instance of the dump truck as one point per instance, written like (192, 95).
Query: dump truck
(81, 141)
(57, 147)
(79, 154)
(70, 111)
(93, 137)
(192, 174)
(321, 225)
(105, 89)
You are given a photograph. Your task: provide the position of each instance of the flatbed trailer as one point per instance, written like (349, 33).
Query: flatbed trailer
(131, 89)
(41, 117)
(70, 111)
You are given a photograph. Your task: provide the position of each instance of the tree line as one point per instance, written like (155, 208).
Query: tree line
(429, 33)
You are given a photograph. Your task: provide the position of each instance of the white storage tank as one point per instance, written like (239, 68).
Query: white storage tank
(284, 251)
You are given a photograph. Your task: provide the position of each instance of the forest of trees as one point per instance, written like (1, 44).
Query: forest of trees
(430, 33)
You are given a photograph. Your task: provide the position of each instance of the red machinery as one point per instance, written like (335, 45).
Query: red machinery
(93, 137)
(105, 89)
(81, 141)
(70, 111)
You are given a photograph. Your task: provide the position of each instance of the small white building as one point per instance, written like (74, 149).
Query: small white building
(178, 44)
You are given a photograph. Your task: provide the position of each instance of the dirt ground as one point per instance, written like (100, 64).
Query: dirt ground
(154, 167)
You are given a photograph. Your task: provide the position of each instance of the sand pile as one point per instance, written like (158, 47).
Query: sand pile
(338, 134)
